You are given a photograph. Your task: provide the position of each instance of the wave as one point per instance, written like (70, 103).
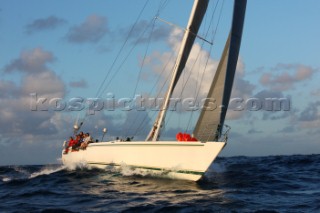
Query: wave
(18, 173)
(235, 183)
(46, 171)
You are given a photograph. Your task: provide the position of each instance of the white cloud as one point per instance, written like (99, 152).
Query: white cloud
(46, 84)
(198, 74)
(191, 78)
(30, 61)
(17, 119)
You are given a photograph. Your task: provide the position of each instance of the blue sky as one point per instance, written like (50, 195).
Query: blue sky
(64, 49)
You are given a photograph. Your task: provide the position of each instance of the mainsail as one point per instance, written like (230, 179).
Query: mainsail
(198, 11)
(210, 122)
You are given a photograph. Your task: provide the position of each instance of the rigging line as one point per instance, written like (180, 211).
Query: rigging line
(214, 32)
(210, 23)
(198, 88)
(188, 77)
(210, 53)
(203, 40)
(157, 82)
(155, 86)
(158, 12)
(139, 129)
(144, 58)
(141, 68)
(123, 45)
(190, 73)
(196, 35)
(159, 93)
(197, 91)
(162, 5)
(118, 54)
(212, 18)
(127, 56)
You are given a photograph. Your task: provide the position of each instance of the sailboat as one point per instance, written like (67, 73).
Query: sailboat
(184, 159)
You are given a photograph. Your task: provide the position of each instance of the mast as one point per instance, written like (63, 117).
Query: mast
(198, 11)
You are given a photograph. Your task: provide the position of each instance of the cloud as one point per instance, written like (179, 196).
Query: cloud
(253, 131)
(198, 74)
(31, 61)
(48, 23)
(46, 84)
(91, 30)
(315, 92)
(273, 101)
(78, 84)
(311, 113)
(17, 119)
(288, 129)
(242, 89)
(289, 74)
(144, 29)
(190, 80)
(8, 89)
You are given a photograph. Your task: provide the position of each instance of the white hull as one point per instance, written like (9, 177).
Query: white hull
(180, 160)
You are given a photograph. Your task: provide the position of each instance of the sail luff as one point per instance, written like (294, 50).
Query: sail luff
(235, 42)
(198, 11)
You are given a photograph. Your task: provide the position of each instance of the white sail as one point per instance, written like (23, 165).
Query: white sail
(198, 11)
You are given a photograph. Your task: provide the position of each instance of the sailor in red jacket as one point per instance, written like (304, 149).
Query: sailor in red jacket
(71, 143)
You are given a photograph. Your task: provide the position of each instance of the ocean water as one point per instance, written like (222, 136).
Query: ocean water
(234, 184)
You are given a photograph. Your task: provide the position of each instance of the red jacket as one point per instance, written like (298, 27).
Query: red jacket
(72, 142)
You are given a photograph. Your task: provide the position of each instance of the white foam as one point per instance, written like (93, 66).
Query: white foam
(46, 171)
(126, 170)
(6, 179)
(77, 165)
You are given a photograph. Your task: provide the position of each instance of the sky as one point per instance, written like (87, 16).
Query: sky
(66, 51)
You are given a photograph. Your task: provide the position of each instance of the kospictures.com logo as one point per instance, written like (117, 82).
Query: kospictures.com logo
(140, 103)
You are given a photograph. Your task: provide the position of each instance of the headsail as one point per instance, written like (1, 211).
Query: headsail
(209, 125)
(197, 14)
